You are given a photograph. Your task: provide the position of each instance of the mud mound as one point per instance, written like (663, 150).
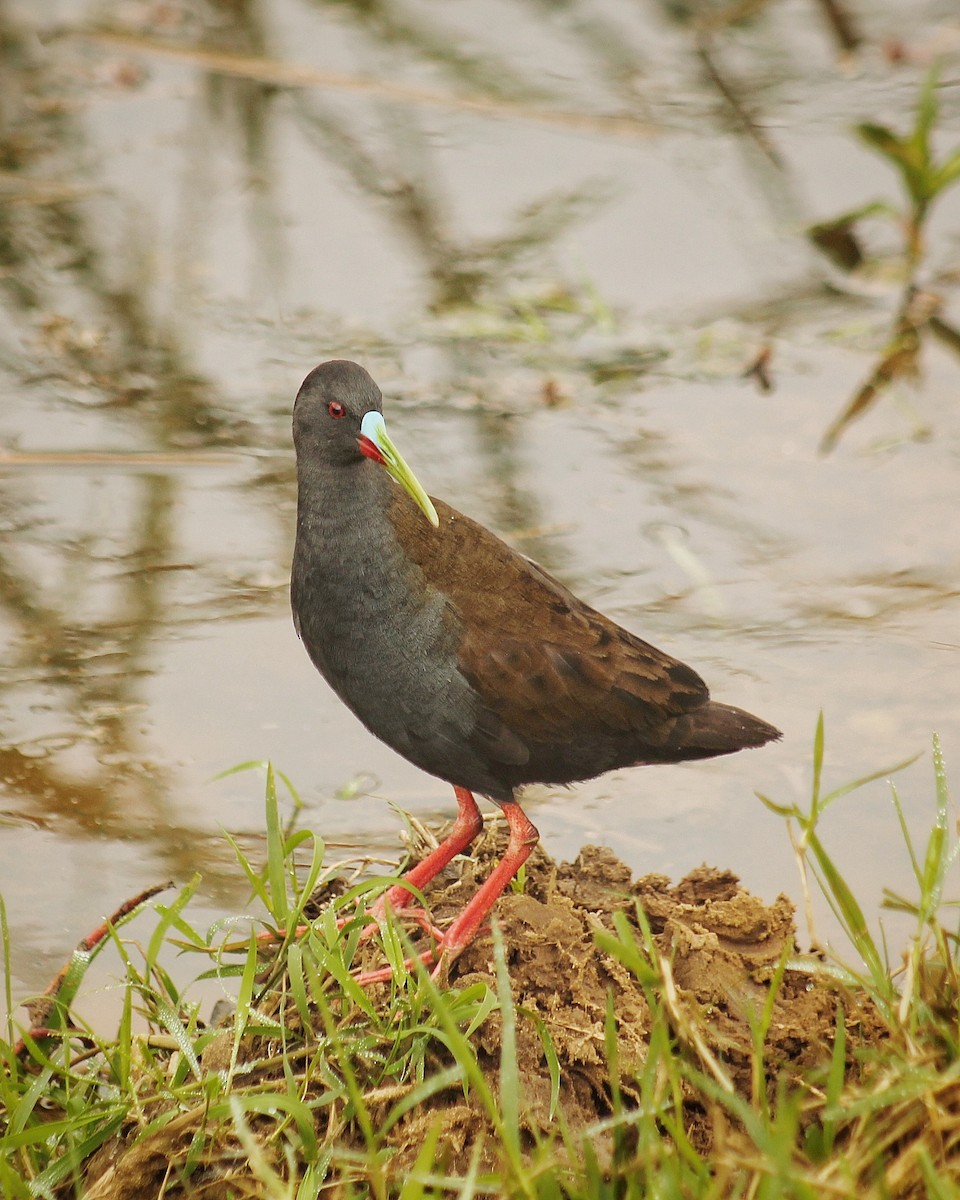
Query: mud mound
(722, 948)
(722, 944)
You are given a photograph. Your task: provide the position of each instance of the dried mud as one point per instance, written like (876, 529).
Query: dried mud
(724, 946)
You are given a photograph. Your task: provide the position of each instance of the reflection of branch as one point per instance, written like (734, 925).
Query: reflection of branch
(25, 604)
(731, 96)
(616, 61)
(924, 176)
(113, 806)
(430, 42)
(135, 459)
(842, 24)
(77, 805)
(459, 271)
(132, 359)
(945, 333)
(239, 108)
(100, 663)
(291, 75)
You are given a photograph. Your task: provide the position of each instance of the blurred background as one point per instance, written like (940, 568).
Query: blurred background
(572, 243)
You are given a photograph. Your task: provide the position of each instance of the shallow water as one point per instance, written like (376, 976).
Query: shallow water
(194, 215)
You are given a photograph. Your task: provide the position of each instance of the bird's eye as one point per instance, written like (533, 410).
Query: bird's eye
(335, 409)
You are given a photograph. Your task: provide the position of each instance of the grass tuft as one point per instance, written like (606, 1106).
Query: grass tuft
(615, 1039)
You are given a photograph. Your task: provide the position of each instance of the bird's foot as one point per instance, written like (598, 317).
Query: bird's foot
(523, 837)
(419, 916)
(384, 974)
(439, 957)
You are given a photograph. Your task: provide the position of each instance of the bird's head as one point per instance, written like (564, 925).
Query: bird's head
(338, 417)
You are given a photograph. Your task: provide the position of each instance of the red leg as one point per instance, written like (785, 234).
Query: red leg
(523, 838)
(465, 828)
(468, 824)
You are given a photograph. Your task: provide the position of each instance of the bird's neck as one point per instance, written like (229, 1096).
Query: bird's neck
(337, 509)
(347, 558)
(358, 601)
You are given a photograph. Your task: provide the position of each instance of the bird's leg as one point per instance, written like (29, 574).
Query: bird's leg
(468, 824)
(523, 838)
(465, 828)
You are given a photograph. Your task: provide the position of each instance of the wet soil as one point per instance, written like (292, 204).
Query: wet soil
(723, 946)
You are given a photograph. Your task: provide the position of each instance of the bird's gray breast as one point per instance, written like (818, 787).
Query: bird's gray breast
(386, 642)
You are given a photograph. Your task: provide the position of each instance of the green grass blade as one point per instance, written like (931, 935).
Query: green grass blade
(169, 915)
(509, 1068)
(847, 788)
(414, 1186)
(443, 1080)
(7, 970)
(550, 1057)
(276, 855)
(850, 913)
(48, 1181)
(817, 769)
(175, 1027)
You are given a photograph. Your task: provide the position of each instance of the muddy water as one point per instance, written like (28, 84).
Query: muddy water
(556, 247)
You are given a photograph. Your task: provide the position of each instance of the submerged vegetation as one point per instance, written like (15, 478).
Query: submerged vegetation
(615, 1039)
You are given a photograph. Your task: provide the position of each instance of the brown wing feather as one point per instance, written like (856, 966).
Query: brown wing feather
(544, 662)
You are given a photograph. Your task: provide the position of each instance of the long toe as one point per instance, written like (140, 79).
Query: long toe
(419, 916)
(384, 974)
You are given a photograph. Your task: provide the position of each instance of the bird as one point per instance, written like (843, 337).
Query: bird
(462, 654)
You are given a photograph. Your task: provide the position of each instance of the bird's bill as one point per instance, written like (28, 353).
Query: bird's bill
(374, 442)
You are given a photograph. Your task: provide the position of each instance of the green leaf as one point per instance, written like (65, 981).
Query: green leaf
(432, 1086)
(927, 108)
(509, 1068)
(272, 1103)
(947, 172)
(62, 1167)
(550, 1054)
(298, 985)
(169, 915)
(414, 1186)
(244, 998)
(175, 1027)
(850, 913)
(879, 137)
(817, 768)
(487, 1003)
(883, 773)
(910, 160)
(276, 854)
(938, 847)
(7, 970)
(782, 810)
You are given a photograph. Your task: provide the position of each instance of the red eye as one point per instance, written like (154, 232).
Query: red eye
(335, 409)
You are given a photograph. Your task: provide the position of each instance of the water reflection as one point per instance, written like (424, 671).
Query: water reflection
(201, 204)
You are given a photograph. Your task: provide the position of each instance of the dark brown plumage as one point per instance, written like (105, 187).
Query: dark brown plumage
(573, 693)
(463, 655)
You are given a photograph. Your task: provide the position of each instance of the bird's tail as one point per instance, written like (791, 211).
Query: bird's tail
(715, 728)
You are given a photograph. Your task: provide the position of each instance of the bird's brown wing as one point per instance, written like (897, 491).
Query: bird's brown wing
(544, 663)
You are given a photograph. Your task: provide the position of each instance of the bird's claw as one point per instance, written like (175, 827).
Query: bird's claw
(439, 957)
(419, 915)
